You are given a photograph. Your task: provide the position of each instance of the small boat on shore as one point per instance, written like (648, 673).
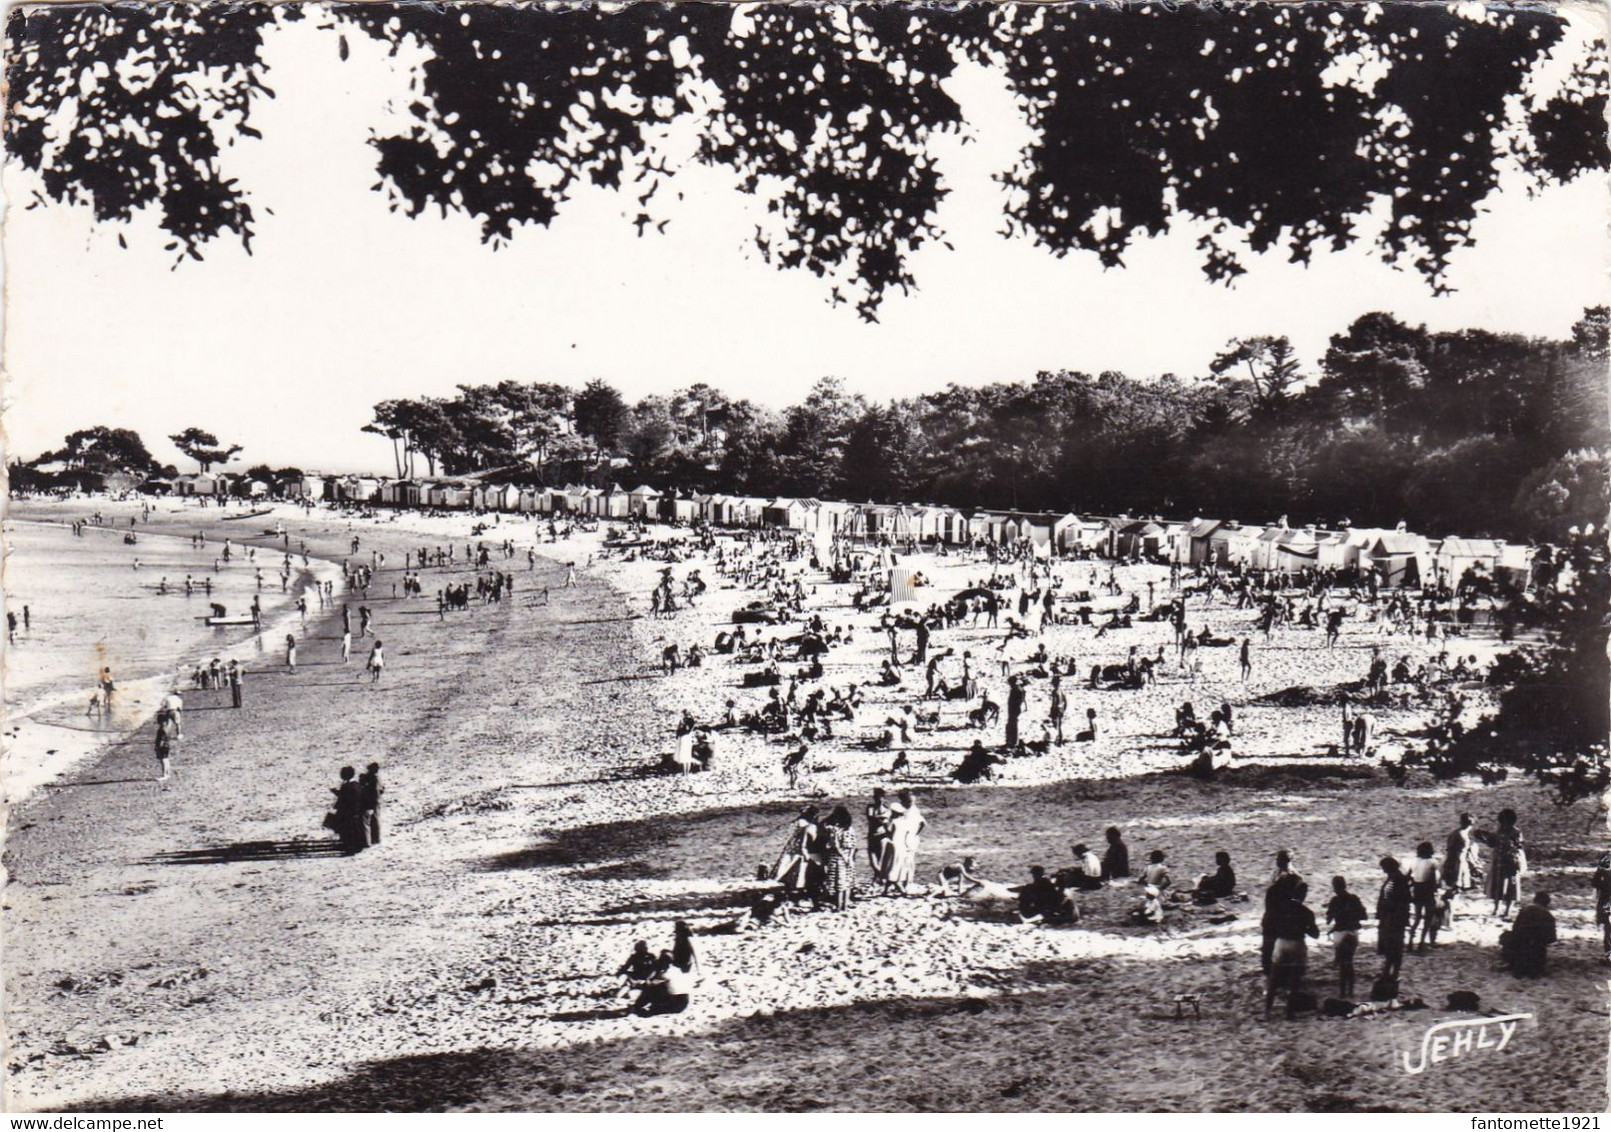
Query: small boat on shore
(231, 619)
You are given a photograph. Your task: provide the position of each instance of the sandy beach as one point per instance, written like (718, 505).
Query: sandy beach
(200, 944)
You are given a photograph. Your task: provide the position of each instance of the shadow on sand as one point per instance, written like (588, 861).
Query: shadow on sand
(248, 851)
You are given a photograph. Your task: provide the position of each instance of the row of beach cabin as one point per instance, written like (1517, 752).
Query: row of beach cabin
(1397, 557)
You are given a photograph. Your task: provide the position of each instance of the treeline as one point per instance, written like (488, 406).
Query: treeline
(1466, 432)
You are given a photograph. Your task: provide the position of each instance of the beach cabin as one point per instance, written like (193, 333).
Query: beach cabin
(1241, 545)
(791, 514)
(590, 502)
(357, 489)
(1177, 541)
(1199, 541)
(1265, 556)
(1298, 549)
(156, 486)
(949, 524)
(310, 487)
(1456, 556)
(252, 489)
(1333, 552)
(989, 524)
(1139, 537)
(393, 493)
(449, 495)
(834, 516)
(1515, 565)
(1077, 534)
(196, 484)
(678, 509)
(1397, 558)
(747, 510)
(643, 502)
(500, 497)
(615, 503)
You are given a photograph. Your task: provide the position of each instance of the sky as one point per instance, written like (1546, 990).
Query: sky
(343, 303)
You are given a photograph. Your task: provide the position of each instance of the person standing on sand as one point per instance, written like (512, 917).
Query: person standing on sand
(235, 682)
(1345, 914)
(1508, 862)
(1247, 659)
(879, 817)
(1293, 924)
(27, 620)
(11, 627)
(290, 652)
(350, 827)
(1015, 708)
(369, 792)
(377, 663)
(107, 688)
(164, 742)
(906, 830)
(1459, 855)
(1058, 707)
(1392, 917)
(346, 646)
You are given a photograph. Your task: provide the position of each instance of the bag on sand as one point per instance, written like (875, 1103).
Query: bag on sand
(1384, 989)
(1469, 1001)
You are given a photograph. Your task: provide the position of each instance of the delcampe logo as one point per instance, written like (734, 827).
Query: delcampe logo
(1463, 1036)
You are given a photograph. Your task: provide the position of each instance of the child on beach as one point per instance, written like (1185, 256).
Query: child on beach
(377, 662)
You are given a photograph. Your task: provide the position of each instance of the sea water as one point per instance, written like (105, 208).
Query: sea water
(91, 607)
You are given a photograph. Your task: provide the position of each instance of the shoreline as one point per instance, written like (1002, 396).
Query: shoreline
(34, 753)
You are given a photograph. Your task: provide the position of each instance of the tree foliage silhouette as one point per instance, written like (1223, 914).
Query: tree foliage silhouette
(1263, 126)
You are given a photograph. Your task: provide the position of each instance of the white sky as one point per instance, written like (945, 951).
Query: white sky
(343, 303)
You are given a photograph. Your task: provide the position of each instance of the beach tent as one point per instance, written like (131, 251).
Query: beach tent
(255, 489)
(1397, 558)
(643, 502)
